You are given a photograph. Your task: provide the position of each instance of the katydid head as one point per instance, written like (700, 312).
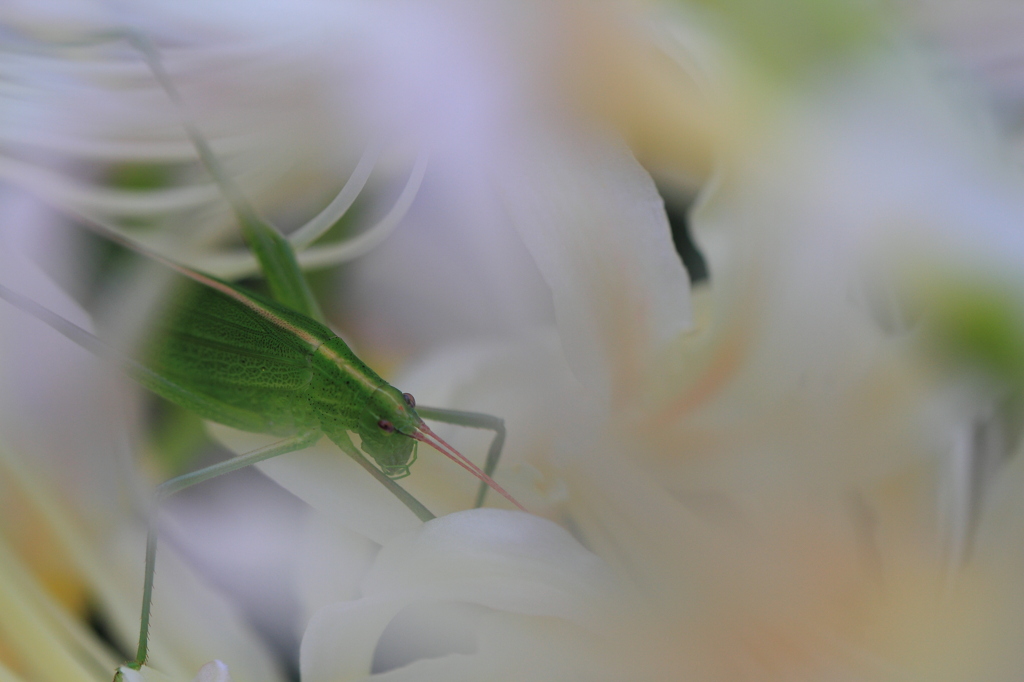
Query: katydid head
(391, 430)
(388, 425)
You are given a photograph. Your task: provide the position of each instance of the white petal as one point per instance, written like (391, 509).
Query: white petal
(340, 640)
(331, 562)
(501, 559)
(214, 671)
(131, 675)
(527, 383)
(476, 581)
(330, 481)
(493, 645)
(596, 227)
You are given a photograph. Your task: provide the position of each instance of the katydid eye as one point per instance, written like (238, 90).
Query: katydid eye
(409, 400)
(386, 425)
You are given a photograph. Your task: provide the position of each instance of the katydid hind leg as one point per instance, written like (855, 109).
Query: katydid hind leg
(275, 255)
(188, 480)
(473, 420)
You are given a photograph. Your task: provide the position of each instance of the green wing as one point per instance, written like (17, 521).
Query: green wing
(223, 359)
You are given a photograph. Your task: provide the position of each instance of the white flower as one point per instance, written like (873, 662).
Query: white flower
(778, 492)
(488, 593)
(766, 472)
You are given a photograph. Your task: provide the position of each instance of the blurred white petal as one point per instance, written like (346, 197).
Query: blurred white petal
(329, 480)
(508, 564)
(214, 671)
(771, 487)
(596, 227)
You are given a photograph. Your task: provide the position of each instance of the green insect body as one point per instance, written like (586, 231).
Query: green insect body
(253, 364)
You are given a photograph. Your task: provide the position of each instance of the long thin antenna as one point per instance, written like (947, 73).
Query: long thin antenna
(427, 436)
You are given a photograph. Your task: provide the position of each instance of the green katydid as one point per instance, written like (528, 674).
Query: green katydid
(268, 365)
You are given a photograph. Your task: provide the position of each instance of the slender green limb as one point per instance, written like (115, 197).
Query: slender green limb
(275, 254)
(473, 420)
(69, 329)
(218, 411)
(414, 505)
(178, 484)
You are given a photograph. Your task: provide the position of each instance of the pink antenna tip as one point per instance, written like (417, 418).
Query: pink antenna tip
(425, 435)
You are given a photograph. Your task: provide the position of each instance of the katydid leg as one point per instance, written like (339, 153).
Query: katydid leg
(274, 253)
(179, 483)
(346, 445)
(414, 505)
(188, 480)
(473, 420)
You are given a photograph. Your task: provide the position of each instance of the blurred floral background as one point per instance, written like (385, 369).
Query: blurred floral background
(744, 278)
